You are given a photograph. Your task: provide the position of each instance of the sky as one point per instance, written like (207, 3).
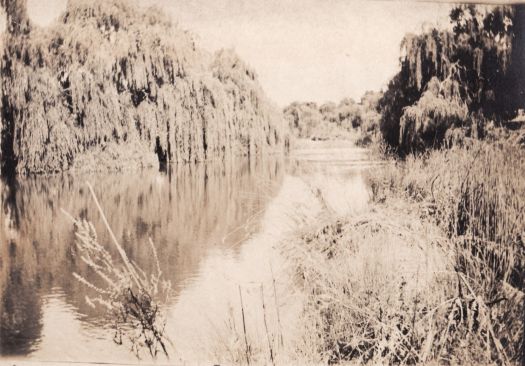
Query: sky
(302, 50)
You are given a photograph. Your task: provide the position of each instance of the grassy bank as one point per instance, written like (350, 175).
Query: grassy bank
(431, 272)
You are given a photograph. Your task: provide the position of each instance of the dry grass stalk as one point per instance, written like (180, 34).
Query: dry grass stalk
(270, 347)
(247, 349)
(133, 299)
(279, 325)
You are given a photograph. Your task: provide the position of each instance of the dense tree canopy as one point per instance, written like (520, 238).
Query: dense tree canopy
(112, 84)
(482, 58)
(17, 19)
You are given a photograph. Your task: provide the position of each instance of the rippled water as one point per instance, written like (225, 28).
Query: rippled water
(217, 228)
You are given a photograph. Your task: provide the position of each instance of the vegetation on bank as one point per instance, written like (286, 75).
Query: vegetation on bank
(453, 84)
(333, 121)
(433, 270)
(111, 85)
(133, 299)
(475, 195)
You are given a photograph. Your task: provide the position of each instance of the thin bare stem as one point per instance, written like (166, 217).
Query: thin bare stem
(244, 328)
(281, 338)
(266, 326)
(121, 251)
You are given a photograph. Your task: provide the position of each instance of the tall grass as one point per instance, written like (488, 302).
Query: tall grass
(376, 291)
(476, 194)
(430, 272)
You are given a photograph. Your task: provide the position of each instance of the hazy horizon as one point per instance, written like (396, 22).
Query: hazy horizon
(315, 50)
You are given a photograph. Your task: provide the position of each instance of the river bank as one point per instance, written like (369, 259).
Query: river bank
(255, 313)
(430, 270)
(336, 255)
(211, 260)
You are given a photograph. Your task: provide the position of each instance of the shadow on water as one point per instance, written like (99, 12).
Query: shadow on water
(187, 212)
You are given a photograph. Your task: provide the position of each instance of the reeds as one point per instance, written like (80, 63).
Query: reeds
(431, 272)
(476, 195)
(248, 348)
(252, 333)
(133, 299)
(373, 293)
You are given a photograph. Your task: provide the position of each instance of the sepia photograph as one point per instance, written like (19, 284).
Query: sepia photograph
(262, 182)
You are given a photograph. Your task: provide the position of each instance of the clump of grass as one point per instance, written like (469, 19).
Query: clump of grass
(375, 289)
(133, 298)
(476, 195)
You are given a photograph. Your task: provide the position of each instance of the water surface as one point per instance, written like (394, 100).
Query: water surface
(216, 227)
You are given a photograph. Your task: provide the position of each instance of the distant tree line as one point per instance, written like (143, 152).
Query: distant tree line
(331, 120)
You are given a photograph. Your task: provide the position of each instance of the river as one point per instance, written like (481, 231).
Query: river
(217, 229)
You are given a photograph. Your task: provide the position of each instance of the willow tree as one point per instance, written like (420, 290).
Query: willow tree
(484, 54)
(111, 85)
(17, 25)
(303, 118)
(425, 123)
(329, 120)
(399, 94)
(485, 44)
(477, 53)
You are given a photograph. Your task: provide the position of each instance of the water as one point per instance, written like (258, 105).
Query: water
(217, 229)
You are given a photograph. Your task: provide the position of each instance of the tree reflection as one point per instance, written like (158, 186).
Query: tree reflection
(186, 211)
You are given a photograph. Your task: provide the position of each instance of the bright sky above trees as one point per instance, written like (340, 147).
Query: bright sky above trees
(315, 50)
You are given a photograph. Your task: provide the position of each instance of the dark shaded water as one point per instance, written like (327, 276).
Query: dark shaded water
(199, 217)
